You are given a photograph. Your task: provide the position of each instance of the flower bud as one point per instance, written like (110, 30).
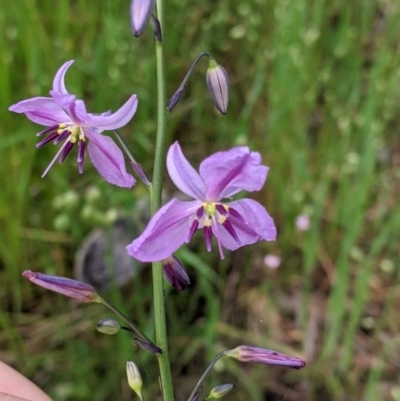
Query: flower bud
(148, 346)
(220, 391)
(108, 326)
(134, 378)
(175, 98)
(140, 15)
(138, 169)
(175, 273)
(246, 353)
(71, 288)
(218, 85)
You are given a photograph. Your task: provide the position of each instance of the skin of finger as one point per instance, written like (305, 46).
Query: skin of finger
(14, 384)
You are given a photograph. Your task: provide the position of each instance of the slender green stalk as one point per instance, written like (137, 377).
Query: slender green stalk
(204, 375)
(155, 200)
(132, 326)
(187, 76)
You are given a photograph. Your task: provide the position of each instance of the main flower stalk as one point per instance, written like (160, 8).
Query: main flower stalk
(155, 201)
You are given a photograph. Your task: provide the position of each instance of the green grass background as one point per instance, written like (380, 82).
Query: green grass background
(314, 88)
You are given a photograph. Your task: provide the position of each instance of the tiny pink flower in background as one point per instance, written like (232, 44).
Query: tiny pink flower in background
(69, 122)
(303, 222)
(272, 261)
(246, 353)
(234, 224)
(71, 288)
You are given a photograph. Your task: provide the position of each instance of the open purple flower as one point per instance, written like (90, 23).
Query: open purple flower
(69, 122)
(234, 224)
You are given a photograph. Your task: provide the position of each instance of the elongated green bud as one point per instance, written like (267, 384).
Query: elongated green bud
(220, 391)
(134, 378)
(218, 85)
(108, 326)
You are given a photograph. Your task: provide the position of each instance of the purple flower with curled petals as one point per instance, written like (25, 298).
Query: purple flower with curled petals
(234, 224)
(69, 122)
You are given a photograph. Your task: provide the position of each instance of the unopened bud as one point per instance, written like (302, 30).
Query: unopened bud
(148, 346)
(220, 391)
(134, 378)
(175, 273)
(140, 15)
(246, 353)
(218, 85)
(108, 326)
(175, 98)
(71, 288)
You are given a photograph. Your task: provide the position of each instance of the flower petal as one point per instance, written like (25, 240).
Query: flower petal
(58, 82)
(226, 173)
(255, 225)
(107, 122)
(108, 159)
(59, 92)
(166, 232)
(184, 176)
(41, 110)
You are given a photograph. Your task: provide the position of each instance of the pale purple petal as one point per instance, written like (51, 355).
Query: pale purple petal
(229, 172)
(166, 232)
(58, 82)
(63, 101)
(140, 15)
(255, 225)
(108, 159)
(59, 91)
(41, 110)
(107, 122)
(184, 176)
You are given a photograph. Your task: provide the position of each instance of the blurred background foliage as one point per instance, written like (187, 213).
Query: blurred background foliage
(314, 88)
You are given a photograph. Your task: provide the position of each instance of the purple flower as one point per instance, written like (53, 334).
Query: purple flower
(246, 353)
(234, 224)
(71, 288)
(69, 122)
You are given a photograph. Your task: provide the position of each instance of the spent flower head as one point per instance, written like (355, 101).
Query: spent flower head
(71, 288)
(69, 122)
(175, 273)
(234, 224)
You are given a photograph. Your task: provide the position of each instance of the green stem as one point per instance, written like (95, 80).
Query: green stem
(204, 375)
(155, 201)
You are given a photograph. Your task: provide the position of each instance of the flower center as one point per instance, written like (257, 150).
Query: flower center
(70, 133)
(213, 211)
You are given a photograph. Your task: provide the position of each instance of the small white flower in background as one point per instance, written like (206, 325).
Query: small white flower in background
(272, 261)
(303, 222)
